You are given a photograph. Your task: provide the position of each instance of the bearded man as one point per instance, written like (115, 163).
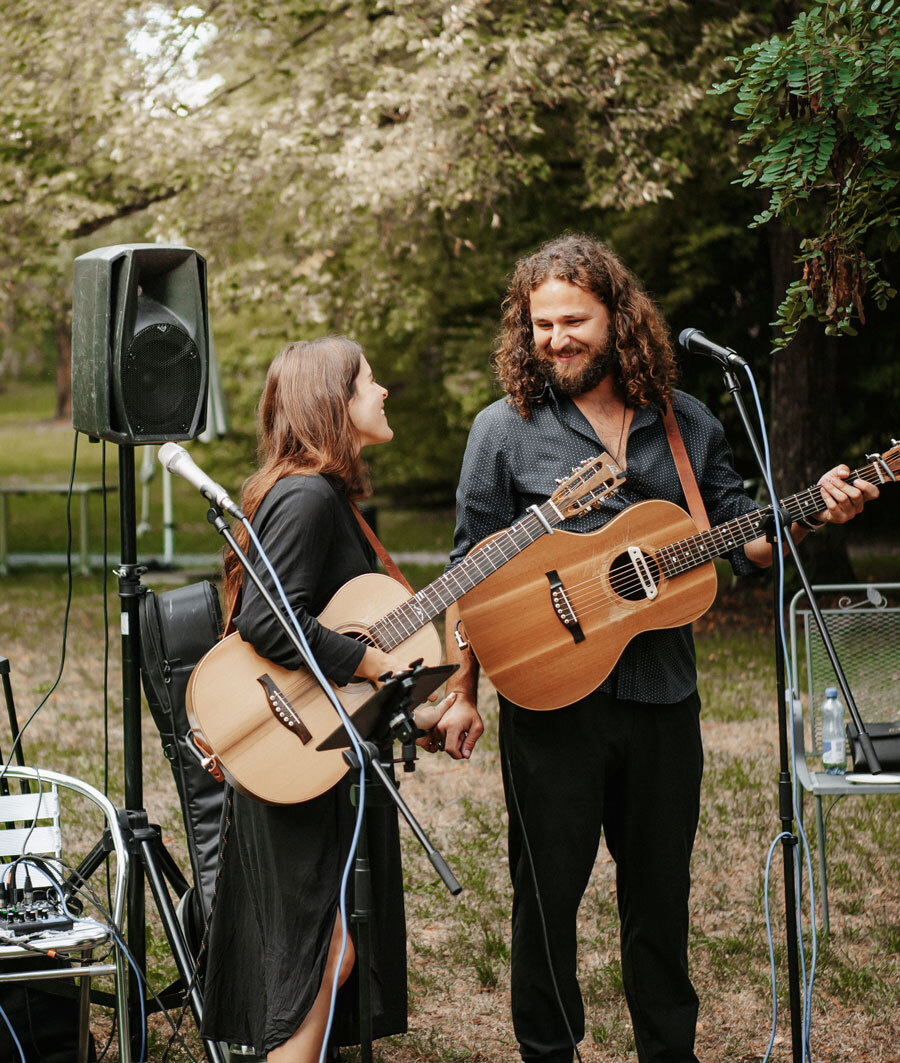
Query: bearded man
(587, 365)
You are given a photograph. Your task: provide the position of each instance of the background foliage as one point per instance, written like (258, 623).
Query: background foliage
(376, 167)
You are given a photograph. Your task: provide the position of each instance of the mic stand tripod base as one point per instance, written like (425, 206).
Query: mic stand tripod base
(145, 844)
(390, 704)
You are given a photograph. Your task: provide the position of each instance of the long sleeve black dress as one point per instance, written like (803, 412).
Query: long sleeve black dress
(281, 866)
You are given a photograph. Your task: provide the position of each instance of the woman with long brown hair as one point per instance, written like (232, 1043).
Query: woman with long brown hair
(276, 929)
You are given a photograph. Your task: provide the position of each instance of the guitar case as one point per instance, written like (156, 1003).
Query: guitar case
(177, 628)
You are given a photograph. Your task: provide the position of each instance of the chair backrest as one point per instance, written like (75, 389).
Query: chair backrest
(863, 621)
(29, 826)
(78, 822)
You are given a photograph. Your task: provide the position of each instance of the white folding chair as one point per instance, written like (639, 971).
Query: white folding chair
(32, 829)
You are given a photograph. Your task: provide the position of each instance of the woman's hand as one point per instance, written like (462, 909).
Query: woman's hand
(376, 663)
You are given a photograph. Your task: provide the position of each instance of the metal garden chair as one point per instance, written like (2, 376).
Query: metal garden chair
(863, 621)
(32, 831)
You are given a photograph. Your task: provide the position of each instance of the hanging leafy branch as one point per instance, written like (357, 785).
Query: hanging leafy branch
(821, 103)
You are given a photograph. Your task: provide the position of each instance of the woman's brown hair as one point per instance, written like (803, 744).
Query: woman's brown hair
(645, 372)
(303, 426)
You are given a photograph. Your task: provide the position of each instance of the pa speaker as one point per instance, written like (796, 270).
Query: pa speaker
(140, 343)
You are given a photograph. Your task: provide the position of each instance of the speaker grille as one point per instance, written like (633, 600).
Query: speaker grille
(161, 380)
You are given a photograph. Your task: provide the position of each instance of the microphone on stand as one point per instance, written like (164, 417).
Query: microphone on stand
(692, 339)
(177, 460)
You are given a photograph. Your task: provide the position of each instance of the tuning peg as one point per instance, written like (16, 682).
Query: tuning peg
(558, 481)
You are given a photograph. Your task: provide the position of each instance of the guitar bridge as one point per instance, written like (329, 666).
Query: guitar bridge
(563, 607)
(282, 709)
(642, 570)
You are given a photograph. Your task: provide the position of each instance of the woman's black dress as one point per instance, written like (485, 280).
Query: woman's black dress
(278, 891)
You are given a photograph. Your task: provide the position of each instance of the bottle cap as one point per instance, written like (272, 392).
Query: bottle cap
(830, 692)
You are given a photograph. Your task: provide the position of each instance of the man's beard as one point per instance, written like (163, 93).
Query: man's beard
(600, 363)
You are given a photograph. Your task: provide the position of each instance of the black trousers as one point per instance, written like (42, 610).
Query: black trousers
(631, 771)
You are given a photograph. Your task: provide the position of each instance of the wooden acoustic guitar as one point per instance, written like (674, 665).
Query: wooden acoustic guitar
(551, 625)
(260, 726)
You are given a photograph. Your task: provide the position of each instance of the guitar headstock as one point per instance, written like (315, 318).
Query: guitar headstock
(888, 463)
(587, 485)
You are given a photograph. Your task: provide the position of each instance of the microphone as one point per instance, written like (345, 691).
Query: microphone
(177, 460)
(692, 339)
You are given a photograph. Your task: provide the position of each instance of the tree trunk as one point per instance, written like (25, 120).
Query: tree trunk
(63, 371)
(804, 396)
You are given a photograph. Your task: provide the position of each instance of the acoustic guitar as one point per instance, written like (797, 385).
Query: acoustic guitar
(551, 625)
(260, 726)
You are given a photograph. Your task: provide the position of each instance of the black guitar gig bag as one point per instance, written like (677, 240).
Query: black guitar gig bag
(177, 628)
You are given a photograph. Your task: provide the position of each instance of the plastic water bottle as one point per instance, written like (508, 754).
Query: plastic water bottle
(834, 747)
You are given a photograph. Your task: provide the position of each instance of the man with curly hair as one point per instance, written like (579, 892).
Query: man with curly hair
(587, 365)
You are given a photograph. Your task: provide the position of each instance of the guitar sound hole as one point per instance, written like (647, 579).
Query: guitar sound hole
(626, 582)
(360, 636)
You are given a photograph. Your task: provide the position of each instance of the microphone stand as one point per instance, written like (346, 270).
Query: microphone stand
(398, 695)
(779, 518)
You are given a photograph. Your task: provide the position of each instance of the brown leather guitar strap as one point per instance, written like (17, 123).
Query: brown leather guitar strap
(384, 556)
(685, 472)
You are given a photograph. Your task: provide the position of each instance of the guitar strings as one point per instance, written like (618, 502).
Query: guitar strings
(671, 560)
(397, 624)
(588, 594)
(678, 558)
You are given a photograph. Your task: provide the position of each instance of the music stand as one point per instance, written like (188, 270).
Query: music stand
(387, 710)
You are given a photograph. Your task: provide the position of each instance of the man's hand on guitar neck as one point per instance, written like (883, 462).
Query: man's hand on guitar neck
(461, 725)
(843, 501)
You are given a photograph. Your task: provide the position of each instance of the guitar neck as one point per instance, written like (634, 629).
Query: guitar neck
(716, 542)
(480, 563)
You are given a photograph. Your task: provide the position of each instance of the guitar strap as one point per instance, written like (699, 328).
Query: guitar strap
(383, 555)
(685, 472)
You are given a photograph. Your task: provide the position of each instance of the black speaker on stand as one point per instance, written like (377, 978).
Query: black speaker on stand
(140, 344)
(140, 369)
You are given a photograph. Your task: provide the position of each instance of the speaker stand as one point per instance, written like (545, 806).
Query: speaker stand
(150, 860)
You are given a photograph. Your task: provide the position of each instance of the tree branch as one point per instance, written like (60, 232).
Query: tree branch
(123, 211)
(289, 47)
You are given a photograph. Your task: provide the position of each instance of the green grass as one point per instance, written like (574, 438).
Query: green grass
(26, 401)
(38, 523)
(736, 679)
(415, 529)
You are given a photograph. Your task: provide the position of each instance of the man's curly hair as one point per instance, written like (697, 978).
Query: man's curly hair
(645, 372)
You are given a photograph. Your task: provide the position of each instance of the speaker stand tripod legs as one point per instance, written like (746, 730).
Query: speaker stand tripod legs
(151, 862)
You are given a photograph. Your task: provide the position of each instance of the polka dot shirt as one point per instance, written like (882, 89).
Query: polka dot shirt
(512, 463)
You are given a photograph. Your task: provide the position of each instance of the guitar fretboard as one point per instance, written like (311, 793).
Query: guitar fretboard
(485, 559)
(431, 601)
(704, 546)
